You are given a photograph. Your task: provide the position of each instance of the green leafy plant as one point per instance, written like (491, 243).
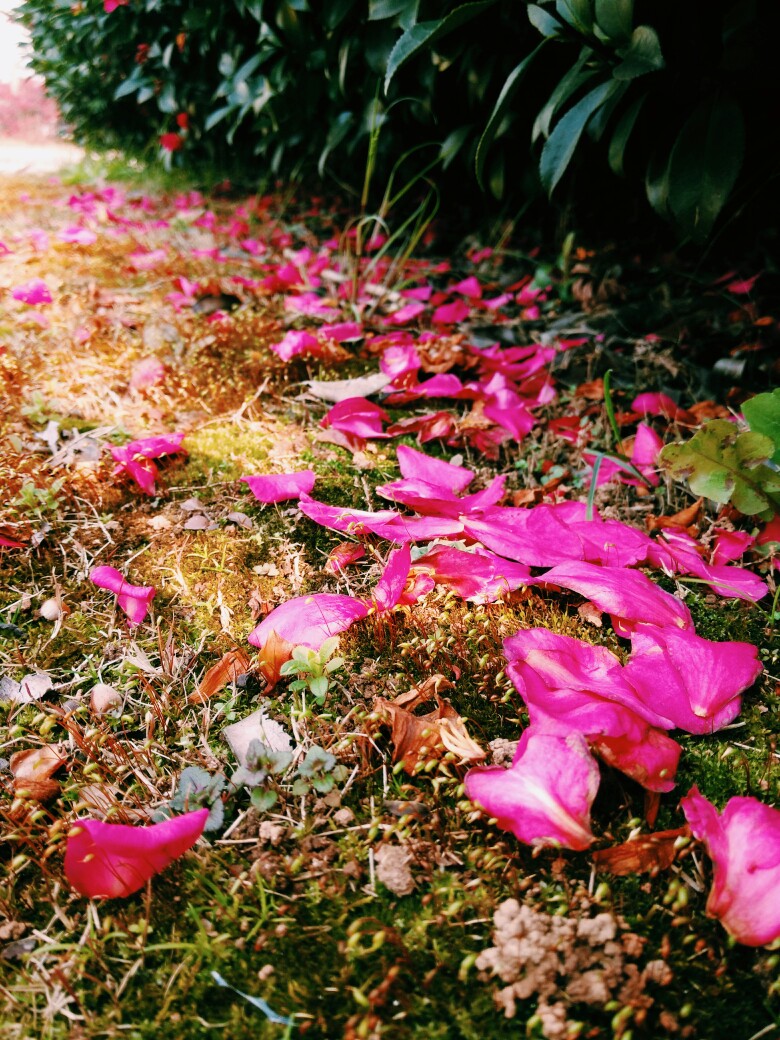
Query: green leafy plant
(726, 464)
(319, 772)
(33, 499)
(198, 789)
(262, 765)
(313, 668)
(763, 415)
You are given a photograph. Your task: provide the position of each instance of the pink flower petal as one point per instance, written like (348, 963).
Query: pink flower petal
(692, 683)
(469, 287)
(134, 600)
(309, 620)
(416, 464)
(660, 404)
(357, 415)
(405, 314)
(34, 293)
(744, 844)
(629, 596)
(340, 557)
(390, 587)
(281, 486)
(477, 574)
(112, 860)
(147, 372)
(296, 342)
(731, 545)
(546, 796)
(134, 458)
(451, 313)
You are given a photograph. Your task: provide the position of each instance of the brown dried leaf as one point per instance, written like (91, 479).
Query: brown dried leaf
(592, 391)
(651, 852)
(225, 671)
(32, 771)
(420, 738)
(684, 519)
(276, 650)
(39, 763)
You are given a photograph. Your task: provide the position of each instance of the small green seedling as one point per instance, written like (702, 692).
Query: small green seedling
(262, 764)
(313, 667)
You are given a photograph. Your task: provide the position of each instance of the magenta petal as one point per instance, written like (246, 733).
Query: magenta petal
(418, 465)
(134, 600)
(351, 521)
(390, 587)
(477, 575)
(650, 760)
(730, 545)
(545, 797)
(295, 342)
(309, 620)
(693, 683)
(112, 860)
(34, 293)
(744, 844)
(627, 595)
(281, 486)
(357, 415)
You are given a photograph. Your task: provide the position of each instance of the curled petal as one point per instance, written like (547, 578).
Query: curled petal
(744, 844)
(112, 860)
(133, 599)
(545, 797)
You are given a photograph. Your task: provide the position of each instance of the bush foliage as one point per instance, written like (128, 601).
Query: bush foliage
(513, 94)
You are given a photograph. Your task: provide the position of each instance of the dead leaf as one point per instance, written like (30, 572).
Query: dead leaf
(590, 613)
(37, 763)
(684, 519)
(31, 688)
(592, 391)
(275, 652)
(342, 389)
(103, 800)
(650, 852)
(33, 769)
(257, 726)
(226, 670)
(420, 738)
(703, 410)
(199, 522)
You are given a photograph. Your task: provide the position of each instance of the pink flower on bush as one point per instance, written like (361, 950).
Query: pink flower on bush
(744, 844)
(133, 599)
(546, 795)
(111, 5)
(112, 860)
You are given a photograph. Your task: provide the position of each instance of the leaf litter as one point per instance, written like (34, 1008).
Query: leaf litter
(159, 402)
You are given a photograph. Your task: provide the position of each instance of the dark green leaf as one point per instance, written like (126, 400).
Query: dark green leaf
(578, 14)
(562, 142)
(426, 33)
(542, 20)
(619, 142)
(499, 111)
(568, 85)
(704, 164)
(615, 18)
(657, 183)
(643, 54)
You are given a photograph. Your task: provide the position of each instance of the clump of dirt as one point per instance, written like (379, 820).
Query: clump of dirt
(567, 960)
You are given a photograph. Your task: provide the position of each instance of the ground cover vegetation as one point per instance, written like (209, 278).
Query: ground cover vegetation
(388, 640)
(622, 106)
